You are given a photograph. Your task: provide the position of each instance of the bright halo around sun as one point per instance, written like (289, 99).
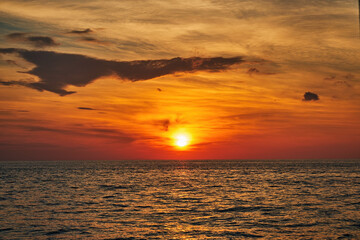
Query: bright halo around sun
(181, 140)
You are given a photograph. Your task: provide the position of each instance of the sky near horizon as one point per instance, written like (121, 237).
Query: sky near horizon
(262, 79)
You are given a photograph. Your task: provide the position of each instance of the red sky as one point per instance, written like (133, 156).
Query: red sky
(123, 79)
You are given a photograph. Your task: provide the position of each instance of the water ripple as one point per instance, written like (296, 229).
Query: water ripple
(180, 200)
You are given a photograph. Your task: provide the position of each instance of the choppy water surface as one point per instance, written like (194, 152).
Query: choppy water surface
(180, 200)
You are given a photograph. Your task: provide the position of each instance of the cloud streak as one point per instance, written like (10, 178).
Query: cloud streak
(56, 71)
(86, 108)
(36, 41)
(88, 30)
(93, 40)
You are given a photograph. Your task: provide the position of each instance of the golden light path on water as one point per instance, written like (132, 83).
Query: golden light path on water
(180, 199)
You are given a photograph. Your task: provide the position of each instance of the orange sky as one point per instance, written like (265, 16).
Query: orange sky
(242, 96)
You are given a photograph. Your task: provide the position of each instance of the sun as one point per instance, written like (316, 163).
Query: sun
(181, 140)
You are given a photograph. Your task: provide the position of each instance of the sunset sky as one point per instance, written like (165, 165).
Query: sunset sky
(192, 79)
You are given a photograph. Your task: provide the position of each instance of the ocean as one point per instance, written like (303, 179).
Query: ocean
(180, 200)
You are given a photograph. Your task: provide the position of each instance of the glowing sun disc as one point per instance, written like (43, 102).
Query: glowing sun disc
(182, 140)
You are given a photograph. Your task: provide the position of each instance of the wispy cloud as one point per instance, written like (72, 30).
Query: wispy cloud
(36, 41)
(94, 40)
(86, 108)
(105, 133)
(88, 30)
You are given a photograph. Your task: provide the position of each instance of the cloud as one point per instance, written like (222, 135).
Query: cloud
(10, 112)
(19, 83)
(88, 30)
(86, 108)
(85, 37)
(330, 78)
(94, 40)
(167, 123)
(252, 70)
(16, 36)
(106, 133)
(56, 71)
(349, 76)
(12, 62)
(342, 83)
(163, 124)
(10, 83)
(36, 41)
(37, 86)
(89, 39)
(309, 96)
(40, 41)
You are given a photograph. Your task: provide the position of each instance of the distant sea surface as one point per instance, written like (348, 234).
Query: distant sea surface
(180, 200)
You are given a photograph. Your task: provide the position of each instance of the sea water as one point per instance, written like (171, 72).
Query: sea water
(180, 200)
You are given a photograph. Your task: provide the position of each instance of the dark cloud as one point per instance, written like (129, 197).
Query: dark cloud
(40, 41)
(89, 39)
(88, 30)
(94, 40)
(37, 41)
(342, 83)
(86, 108)
(12, 62)
(106, 133)
(349, 77)
(15, 83)
(252, 70)
(163, 124)
(159, 89)
(341, 80)
(38, 86)
(56, 71)
(9, 83)
(266, 116)
(309, 96)
(16, 36)
(261, 67)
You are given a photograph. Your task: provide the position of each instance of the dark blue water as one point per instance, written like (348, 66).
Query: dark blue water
(180, 200)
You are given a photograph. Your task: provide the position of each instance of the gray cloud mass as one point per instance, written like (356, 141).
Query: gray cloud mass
(309, 96)
(56, 70)
(36, 41)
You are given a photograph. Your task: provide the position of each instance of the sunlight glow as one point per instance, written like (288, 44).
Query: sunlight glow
(181, 140)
